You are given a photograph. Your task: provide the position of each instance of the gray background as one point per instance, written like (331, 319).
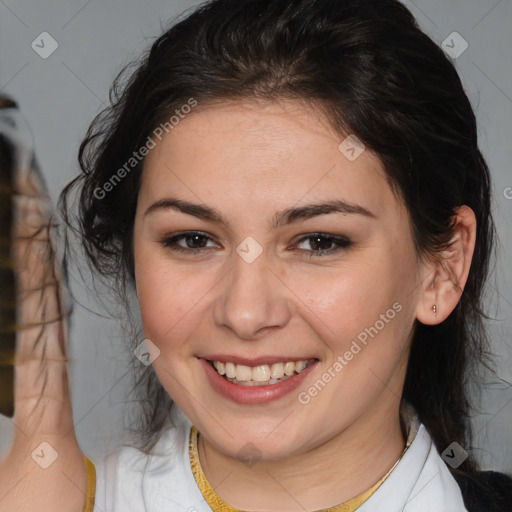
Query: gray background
(60, 95)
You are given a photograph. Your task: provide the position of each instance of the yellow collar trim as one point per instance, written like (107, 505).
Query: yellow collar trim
(90, 471)
(219, 505)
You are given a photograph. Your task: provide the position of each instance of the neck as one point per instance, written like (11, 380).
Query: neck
(359, 456)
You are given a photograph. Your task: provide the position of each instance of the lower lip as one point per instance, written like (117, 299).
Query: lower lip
(253, 394)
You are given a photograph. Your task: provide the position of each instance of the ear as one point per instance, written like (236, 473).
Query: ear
(446, 276)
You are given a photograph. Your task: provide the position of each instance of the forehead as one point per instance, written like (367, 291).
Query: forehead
(262, 155)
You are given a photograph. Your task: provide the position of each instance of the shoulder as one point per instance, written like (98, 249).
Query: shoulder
(421, 482)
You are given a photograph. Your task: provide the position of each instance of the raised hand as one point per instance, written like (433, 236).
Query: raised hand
(44, 469)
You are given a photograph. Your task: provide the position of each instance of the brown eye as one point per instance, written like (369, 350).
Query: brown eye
(190, 241)
(321, 244)
(195, 241)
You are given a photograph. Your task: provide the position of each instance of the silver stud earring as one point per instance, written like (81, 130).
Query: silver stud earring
(434, 310)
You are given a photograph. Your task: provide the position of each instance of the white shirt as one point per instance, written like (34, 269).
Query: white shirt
(131, 481)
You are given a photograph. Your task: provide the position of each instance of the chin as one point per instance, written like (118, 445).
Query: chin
(254, 443)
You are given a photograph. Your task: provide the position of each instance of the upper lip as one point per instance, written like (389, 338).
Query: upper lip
(256, 361)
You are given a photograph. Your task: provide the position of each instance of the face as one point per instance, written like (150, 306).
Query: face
(266, 253)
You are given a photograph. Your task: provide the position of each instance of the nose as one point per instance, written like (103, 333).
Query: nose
(253, 300)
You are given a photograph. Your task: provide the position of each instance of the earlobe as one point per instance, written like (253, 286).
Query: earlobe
(448, 272)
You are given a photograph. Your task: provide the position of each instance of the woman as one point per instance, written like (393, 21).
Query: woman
(296, 193)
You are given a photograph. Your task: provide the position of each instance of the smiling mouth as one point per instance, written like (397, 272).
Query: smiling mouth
(262, 375)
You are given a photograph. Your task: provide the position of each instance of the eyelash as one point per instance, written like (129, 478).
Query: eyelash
(341, 243)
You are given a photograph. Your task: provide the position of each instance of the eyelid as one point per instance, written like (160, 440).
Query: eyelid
(341, 243)
(170, 240)
(323, 234)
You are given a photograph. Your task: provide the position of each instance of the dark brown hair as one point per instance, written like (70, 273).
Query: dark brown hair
(374, 74)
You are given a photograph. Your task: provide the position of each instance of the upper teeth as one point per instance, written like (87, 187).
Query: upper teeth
(262, 373)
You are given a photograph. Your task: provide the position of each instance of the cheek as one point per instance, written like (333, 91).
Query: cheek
(168, 299)
(343, 301)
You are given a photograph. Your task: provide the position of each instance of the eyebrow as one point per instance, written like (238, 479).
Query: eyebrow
(284, 217)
